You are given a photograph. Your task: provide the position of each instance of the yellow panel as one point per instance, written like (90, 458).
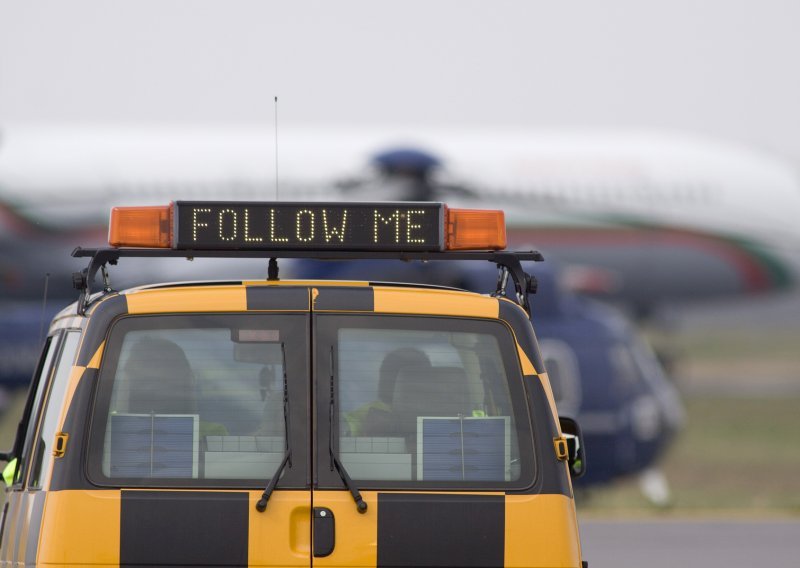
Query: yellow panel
(527, 366)
(548, 390)
(434, 302)
(80, 528)
(97, 357)
(356, 533)
(541, 530)
(281, 535)
(74, 378)
(200, 299)
(347, 283)
(528, 369)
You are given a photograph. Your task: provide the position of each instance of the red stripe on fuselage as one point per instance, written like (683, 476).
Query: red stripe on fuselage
(754, 274)
(13, 223)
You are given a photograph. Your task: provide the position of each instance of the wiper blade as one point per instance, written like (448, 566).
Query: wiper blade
(361, 505)
(261, 506)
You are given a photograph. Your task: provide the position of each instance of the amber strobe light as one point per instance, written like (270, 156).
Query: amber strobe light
(141, 227)
(475, 229)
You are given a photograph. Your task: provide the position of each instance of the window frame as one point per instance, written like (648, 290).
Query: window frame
(326, 338)
(32, 415)
(294, 476)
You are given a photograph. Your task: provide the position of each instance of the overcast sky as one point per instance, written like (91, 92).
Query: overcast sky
(723, 68)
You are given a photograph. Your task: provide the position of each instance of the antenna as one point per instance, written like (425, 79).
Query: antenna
(44, 307)
(276, 148)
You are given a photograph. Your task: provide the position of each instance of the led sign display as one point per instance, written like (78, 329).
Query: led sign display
(318, 226)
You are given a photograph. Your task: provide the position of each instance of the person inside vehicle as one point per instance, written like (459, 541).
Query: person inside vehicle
(375, 418)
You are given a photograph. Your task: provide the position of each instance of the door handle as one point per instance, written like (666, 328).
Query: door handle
(324, 532)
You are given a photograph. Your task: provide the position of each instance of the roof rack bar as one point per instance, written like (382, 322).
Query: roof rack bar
(111, 253)
(511, 260)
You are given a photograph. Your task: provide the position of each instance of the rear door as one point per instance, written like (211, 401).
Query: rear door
(193, 415)
(427, 417)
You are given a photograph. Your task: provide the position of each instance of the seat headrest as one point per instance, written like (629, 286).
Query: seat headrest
(439, 391)
(160, 379)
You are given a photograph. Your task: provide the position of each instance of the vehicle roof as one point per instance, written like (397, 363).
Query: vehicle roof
(288, 282)
(227, 295)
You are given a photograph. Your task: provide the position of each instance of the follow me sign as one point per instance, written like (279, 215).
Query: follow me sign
(356, 226)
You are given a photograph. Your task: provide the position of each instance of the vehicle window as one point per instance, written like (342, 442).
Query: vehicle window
(33, 406)
(51, 414)
(427, 405)
(190, 398)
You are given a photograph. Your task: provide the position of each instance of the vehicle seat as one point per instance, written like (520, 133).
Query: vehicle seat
(440, 391)
(377, 418)
(160, 379)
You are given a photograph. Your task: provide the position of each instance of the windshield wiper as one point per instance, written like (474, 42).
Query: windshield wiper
(348, 482)
(261, 506)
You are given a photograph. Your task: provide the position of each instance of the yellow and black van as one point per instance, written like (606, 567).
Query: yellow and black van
(294, 423)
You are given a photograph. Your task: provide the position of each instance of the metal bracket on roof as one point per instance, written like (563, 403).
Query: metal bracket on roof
(508, 264)
(84, 279)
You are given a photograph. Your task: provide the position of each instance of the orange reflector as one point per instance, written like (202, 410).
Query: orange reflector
(141, 227)
(475, 229)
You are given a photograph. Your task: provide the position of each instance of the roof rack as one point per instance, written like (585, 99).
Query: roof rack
(508, 264)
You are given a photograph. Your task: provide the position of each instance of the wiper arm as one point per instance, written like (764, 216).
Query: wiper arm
(340, 469)
(261, 506)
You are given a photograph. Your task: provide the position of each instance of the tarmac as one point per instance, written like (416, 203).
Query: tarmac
(690, 543)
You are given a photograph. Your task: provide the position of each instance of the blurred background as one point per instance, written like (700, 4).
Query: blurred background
(651, 150)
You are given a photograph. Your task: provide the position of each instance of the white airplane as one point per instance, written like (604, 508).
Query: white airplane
(645, 218)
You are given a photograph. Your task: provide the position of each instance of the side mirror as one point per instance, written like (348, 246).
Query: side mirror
(576, 451)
